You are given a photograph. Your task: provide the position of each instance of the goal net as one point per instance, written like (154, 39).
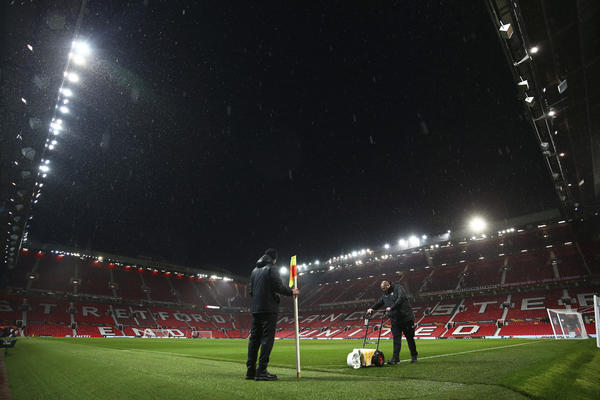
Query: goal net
(202, 334)
(567, 324)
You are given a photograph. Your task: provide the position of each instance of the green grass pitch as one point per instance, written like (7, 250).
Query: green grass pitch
(80, 368)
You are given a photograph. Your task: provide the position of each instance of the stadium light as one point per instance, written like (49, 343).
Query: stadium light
(506, 30)
(529, 100)
(77, 59)
(478, 225)
(44, 168)
(81, 48)
(534, 50)
(386, 246)
(282, 270)
(523, 84)
(414, 241)
(522, 60)
(63, 109)
(72, 77)
(66, 92)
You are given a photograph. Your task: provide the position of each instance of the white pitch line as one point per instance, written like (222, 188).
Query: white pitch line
(474, 351)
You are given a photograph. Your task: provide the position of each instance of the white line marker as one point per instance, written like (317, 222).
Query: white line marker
(474, 351)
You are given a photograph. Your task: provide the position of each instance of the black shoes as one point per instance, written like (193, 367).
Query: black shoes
(250, 373)
(265, 376)
(394, 361)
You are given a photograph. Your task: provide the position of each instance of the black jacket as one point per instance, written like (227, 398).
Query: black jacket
(265, 287)
(395, 298)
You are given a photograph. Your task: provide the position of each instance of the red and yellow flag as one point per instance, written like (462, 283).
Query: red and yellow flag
(293, 271)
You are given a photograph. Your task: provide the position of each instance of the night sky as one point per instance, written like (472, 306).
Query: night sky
(203, 134)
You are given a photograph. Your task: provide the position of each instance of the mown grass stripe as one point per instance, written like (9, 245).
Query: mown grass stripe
(473, 351)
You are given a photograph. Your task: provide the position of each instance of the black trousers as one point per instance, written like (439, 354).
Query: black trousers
(262, 335)
(406, 327)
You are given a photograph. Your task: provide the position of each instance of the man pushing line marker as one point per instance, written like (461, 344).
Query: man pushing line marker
(402, 317)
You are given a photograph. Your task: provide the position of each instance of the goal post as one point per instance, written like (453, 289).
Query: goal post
(202, 334)
(567, 324)
(597, 318)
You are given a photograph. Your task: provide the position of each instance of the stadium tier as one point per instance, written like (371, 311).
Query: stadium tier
(497, 286)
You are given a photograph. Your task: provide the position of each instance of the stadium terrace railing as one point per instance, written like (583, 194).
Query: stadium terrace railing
(501, 286)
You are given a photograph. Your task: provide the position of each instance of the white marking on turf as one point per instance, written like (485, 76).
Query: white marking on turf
(474, 351)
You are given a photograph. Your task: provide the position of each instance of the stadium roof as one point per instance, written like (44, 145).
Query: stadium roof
(553, 51)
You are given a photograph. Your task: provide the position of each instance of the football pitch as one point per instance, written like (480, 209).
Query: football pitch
(82, 368)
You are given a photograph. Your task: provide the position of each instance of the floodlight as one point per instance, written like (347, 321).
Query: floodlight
(534, 49)
(506, 30)
(562, 86)
(81, 48)
(72, 77)
(522, 60)
(523, 84)
(478, 225)
(44, 168)
(78, 59)
(28, 153)
(66, 92)
(529, 100)
(386, 246)
(414, 241)
(64, 109)
(282, 270)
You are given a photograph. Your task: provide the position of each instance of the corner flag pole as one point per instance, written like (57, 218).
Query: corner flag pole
(294, 277)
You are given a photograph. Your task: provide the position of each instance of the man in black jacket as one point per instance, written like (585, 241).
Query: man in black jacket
(402, 317)
(265, 288)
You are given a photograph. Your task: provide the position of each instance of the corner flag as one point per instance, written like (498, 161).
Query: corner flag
(293, 271)
(294, 284)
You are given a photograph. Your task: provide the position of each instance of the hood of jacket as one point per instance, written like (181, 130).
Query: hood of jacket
(264, 260)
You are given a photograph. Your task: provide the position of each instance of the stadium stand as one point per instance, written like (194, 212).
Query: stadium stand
(475, 288)
(160, 287)
(483, 273)
(54, 274)
(95, 279)
(129, 284)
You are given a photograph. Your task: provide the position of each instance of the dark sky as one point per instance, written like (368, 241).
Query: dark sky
(204, 134)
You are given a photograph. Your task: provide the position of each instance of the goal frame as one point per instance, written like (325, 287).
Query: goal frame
(597, 318)
(204, 335)
(563, 334)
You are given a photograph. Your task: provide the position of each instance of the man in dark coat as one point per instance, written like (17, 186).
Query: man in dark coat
(402, 318)
(265, 288)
